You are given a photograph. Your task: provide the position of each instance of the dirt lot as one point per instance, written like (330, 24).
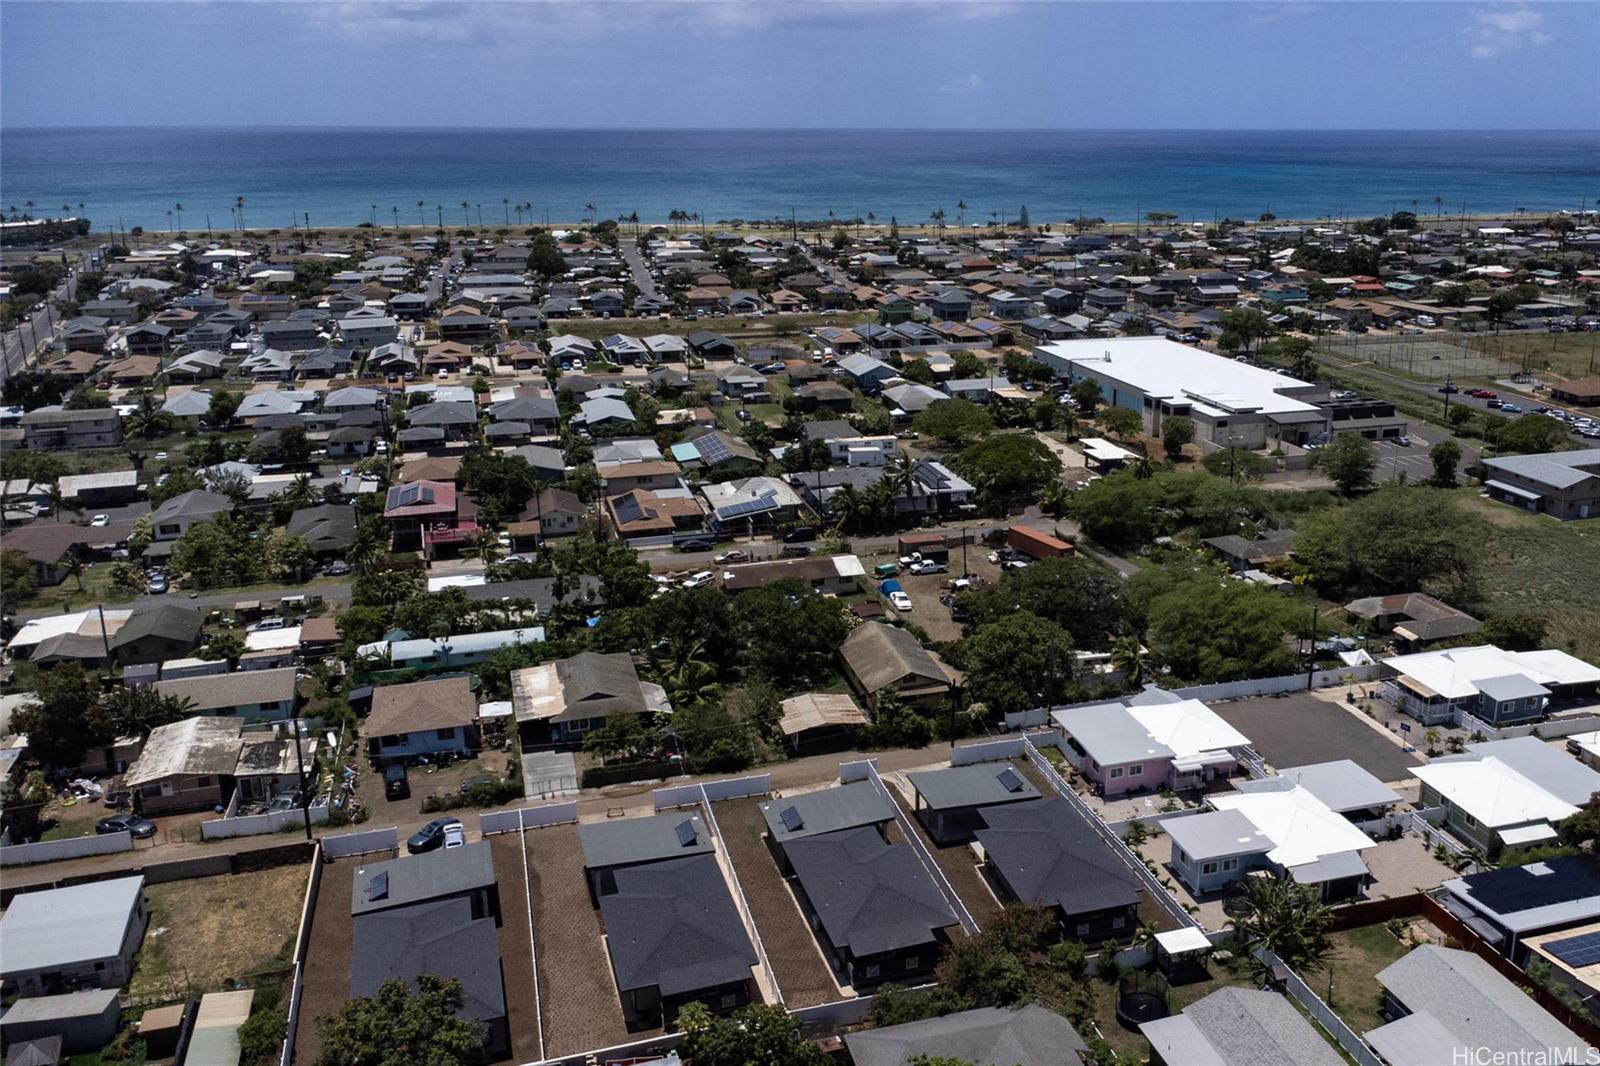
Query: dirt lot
(803, 976)
(516, 957)
(577, 994)
(1299, 728)
(444, 781)
(957, 862)
(327, 970)
(925, 589)
(208, 931)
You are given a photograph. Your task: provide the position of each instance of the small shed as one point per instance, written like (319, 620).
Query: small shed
(80, 1021)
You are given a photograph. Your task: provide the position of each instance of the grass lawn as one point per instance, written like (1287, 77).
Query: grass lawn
(1223, 975)
(211, 930)
(67, 596)
(1546, 568)
(74, 821)
(1358, 955)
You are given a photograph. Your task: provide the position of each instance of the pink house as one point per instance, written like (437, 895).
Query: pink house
(1149, 742)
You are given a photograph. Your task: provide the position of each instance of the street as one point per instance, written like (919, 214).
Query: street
(37, 326)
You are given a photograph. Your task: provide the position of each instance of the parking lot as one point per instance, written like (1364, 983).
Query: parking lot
(1298, 728)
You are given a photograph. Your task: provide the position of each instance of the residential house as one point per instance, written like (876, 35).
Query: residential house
(49, 429)
(675, 937)
(875, 911)
(291, 335)
(1235, 1026)
(187, 765)
(435, 913)
(173, 517)
(1495, 686)
(1044, 852)
(667, 347)
(906, 401)
(1447, 1005)
(156, 634)
(879, 658)
(750, 503)
(423, 511)
(1531, 908)
(1027, 1036)
(709, 345)
(869, 373)
(1139, 744)
(557, 703)
(457, 651)
(57, 940)
(149, 338)
(829, 575)
(1506, 793)
(643, 513)
(606, 416)
(632, 842)
(72, 1022)
(438, 717)
(110, 488)
(365, 332)
(953, 803)
(647, 474)
(329, 529)
(551, 513)
(1413, 619)
(270, 767)
(251, 695)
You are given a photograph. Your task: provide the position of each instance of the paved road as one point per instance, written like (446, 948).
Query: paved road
(636, 263)
(333, 592)
(18, 343)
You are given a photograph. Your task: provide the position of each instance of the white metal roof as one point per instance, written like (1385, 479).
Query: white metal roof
(1454, 673)
(1492, 792)
(1300, 826)
(1188, 727)
(1159, 367)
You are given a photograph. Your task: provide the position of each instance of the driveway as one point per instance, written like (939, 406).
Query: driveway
(1298, 728)
(549, 775)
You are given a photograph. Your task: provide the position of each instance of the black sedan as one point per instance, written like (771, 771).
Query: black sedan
(430, 836)
(141, 828)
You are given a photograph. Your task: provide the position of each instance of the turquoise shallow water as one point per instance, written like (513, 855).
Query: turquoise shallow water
(340, 177)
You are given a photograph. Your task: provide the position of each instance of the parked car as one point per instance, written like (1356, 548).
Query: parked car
(1515, 409)
(100, 520)
(886, 570)
(694, 545)
(1447, 388)
(929, 566)
(431, 836)
(454, 836)
(799, 533)
(265, 625)
(474, 782)
(141, 828)
(795, 551)
(900, 600)
(733, 555)
(156, 585)
(396, 785)
(1403, 440)
(698, 579)
(337, 568)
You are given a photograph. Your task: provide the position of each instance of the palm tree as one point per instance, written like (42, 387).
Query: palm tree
(238, 206)
(1128, 656)
(301, 493)
(136, 711)
(1053, 499)
(169, 221)
(688, 677)
(396, 210)
(897, 475)
(466, 212)
(938, 220)
(588, 213)
(1287, 919)
(844, 506)
(420, 216)
(1143, 468)
(961, 213)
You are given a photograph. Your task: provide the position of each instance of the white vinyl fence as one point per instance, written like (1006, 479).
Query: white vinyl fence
(72, 848)
(251, 825)
(727, 788)
(347, 844)
(528, 818)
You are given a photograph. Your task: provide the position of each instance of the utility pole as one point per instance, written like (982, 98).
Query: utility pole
(300, 762)
(1311, 660)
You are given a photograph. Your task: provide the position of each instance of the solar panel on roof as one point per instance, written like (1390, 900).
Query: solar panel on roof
(686, 834)
(378, 888)
(1576, 951)
(792, 820)
(1009, 780)
(712, 448)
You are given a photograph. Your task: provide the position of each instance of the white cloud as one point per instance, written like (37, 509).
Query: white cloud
(1496, 31)
(966, 85)
(520, 22)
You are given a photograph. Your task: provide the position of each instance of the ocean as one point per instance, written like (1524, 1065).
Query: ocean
(129, 177)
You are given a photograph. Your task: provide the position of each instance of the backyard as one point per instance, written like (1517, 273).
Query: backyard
(209, 931)
(1349, 984)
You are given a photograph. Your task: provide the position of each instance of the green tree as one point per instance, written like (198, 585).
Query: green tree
(1206, 629)
(1008, 465)
(1348, 461)
(67, 719)
(1238, 465)
(1242, 328)
(1287, 919)
(1176, 431)
(1119, 421)
(1445, 456)
(1398, 538)
(1018, 662)
(1086, 394)
(953, 421)
(136, 711)
(758, 1035)
(1129, 656)
(1533, 434)
(1076, 593)
(225, 645)
(16, 574)
(1458, 417)
(1294, 354)
(787, 633)
(398, 1027)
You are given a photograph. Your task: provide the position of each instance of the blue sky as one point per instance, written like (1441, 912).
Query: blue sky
(778, 63)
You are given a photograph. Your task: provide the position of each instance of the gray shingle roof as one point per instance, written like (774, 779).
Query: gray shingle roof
(826, 811)
(440, 938)
(871, 896)
(673, 926)
(1240, 1027)
(1048, 854)
(989, 1036)
(380, 886)
(638, 840)
(972, 786)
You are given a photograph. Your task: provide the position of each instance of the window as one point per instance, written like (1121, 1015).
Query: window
(445, 734)
(729, 1000)
(1229, 865)
(150, 791)
(1116, 772)
(391, 742)
(1208, 868)
(870, 971)
(1136, 769)
(1083, 929)
(202, 782)
(1119, 921)
(913, 962)
(99, 966)
(1183, 857)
